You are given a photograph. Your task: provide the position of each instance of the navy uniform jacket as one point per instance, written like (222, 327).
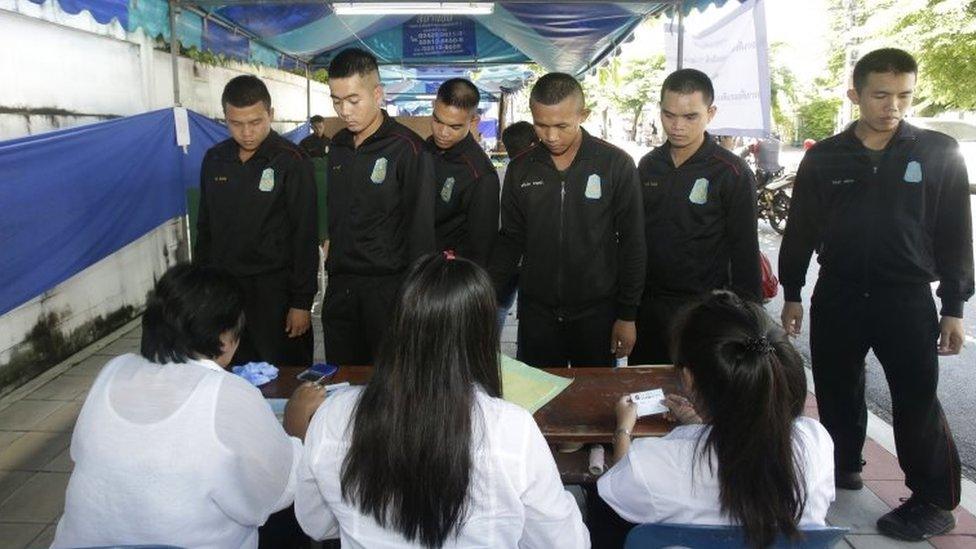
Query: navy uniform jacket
(259, 216)
(700, 223)
(906, 221)
(466, 205)
(579, 233)
(381, 201)
(315, 146)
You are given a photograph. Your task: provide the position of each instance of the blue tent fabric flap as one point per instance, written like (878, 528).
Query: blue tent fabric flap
(102, 11)
(75, 196)
(300, 132)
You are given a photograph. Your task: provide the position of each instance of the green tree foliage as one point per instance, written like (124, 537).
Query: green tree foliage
(784, 94)
(942, 36)
(641, 85)
(599, 90)
(626, 87)
(816, 118)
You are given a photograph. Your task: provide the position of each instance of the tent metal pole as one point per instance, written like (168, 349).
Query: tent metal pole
(174, 49)
(681, 36)
(308, 93)
(502, 122)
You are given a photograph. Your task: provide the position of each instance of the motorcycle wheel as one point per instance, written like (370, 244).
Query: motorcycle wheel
(778, 211)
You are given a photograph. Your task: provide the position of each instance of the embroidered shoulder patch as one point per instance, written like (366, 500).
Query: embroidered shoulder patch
(594, 187)
(699, 192)
(913, 172)
(379, 171)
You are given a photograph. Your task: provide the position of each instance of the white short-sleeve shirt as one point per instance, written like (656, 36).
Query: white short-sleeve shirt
(175, 454)
(516, 496)
(664, 479)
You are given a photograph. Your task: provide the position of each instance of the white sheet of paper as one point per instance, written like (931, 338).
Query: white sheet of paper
(649, 402)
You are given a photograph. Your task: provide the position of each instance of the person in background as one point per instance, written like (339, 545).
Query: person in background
(743, 453)
(258, 221)
(518, 138)
(428, 454)
(171, 448)
(317, 143)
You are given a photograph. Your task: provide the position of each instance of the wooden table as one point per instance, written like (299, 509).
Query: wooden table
(581, 413)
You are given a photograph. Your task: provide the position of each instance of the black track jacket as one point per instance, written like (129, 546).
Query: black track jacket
(579, 235)
(259, 216)
(466, 210)
(701, 223)
(381, 201)
(906, 222)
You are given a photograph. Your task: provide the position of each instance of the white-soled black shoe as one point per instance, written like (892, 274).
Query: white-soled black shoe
(916, 520)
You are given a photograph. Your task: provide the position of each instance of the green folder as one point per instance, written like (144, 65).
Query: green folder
(530, 388)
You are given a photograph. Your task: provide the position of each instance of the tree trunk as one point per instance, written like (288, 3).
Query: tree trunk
(633, 129)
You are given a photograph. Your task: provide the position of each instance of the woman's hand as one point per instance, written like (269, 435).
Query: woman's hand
(626, 413)
(626, 419)
(680, 410)
(301, 407)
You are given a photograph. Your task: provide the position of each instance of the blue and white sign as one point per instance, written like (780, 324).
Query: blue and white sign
(439, 35)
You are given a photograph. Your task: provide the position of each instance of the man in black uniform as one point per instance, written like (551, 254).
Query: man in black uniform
(518, 137)
(571, 213)
(466, 208)
(886, 206)
(381, 210)
(316, 144)
(699, 214)
(258, 220)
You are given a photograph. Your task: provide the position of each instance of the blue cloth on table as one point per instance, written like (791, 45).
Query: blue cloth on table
(257, 373)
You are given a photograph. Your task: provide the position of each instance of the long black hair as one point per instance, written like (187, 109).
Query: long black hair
(187, 311)
(750, 385)
(409, 464)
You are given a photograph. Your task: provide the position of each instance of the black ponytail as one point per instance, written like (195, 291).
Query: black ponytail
(750, 383)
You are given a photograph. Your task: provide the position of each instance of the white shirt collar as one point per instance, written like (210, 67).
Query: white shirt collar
(206, 363)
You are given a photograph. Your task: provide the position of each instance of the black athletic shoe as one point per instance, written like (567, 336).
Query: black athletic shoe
(916, 520)
(848, 480)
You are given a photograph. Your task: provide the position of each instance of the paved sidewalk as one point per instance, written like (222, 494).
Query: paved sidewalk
(36, 422)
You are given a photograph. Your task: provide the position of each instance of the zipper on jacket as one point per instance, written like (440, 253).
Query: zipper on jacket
(559, 263)
(877, 186)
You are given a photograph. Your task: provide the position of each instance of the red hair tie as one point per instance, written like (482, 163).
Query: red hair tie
(449, 255)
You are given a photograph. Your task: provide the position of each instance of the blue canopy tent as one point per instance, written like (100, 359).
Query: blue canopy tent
(79, 204)
(560, 36)
(303, 35)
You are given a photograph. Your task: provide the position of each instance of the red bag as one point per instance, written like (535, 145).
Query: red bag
(770, 284)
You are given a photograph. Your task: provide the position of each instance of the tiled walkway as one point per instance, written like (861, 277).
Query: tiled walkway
(35, 432)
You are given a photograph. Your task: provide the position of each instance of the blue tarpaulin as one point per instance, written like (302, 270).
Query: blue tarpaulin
(561, 36)
(75, 196)
(300, 132)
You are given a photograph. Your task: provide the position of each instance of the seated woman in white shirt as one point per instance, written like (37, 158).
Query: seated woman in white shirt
(169, 448)
(428, 454)
(743, 454)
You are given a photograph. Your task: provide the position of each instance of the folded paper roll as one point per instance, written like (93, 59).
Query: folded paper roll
(598, 462)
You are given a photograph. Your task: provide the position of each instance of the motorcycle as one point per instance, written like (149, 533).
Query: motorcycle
(773, 193)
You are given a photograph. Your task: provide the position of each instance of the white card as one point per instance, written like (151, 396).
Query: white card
(649, 402)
